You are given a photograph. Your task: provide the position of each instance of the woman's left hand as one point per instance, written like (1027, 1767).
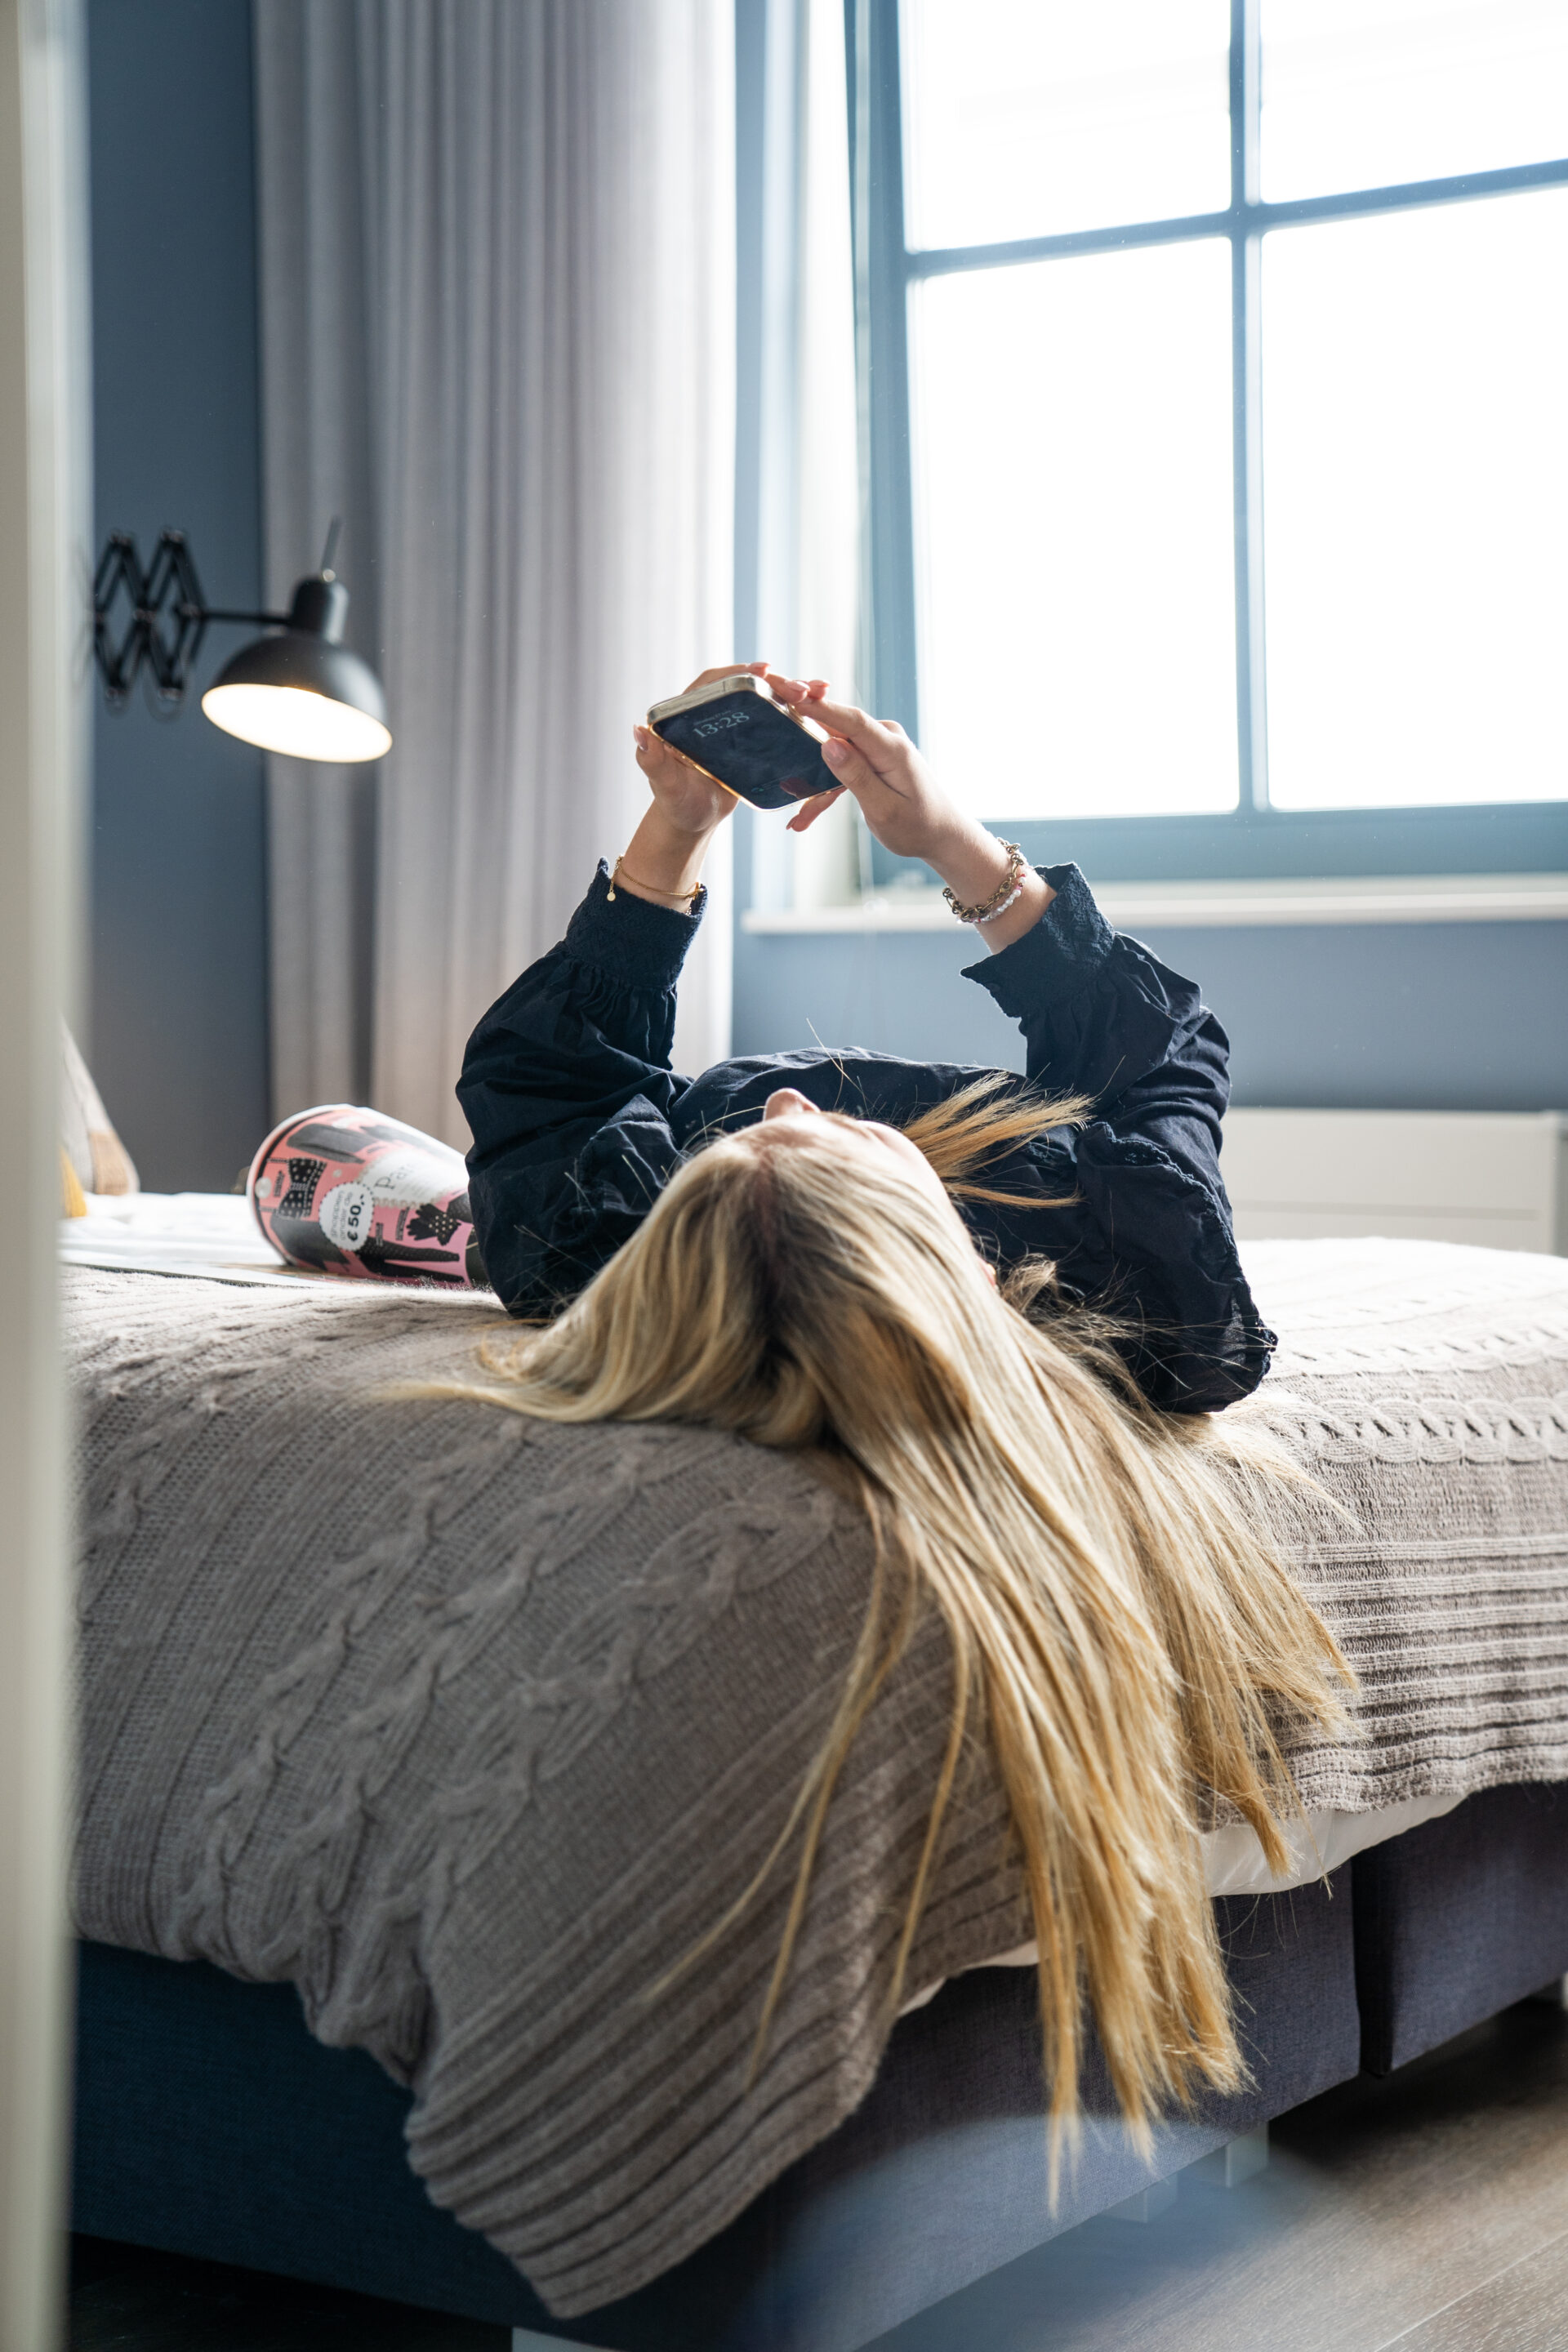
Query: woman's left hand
(901, 800)
(907, 812)
(800, 693)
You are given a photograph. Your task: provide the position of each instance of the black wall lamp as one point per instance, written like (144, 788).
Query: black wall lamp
(300, 690)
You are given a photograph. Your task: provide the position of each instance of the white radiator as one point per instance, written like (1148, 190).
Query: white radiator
(1498, 1179)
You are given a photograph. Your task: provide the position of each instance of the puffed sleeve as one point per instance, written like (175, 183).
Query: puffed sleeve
(568, 1091)
(1152, 1239)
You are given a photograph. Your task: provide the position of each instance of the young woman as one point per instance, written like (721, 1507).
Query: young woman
(1000, 1313)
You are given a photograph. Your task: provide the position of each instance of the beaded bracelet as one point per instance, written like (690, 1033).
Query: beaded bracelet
(992, 913)
(1008, 891)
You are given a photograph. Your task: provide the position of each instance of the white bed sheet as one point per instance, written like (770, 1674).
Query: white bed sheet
(211, 1235)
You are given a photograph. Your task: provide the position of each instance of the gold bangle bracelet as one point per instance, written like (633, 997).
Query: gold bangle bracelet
(686, 898)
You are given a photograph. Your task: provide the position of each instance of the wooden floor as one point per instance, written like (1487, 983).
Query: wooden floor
(1429, 2211)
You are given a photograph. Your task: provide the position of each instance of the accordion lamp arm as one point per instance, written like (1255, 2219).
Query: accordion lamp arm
(298, 690)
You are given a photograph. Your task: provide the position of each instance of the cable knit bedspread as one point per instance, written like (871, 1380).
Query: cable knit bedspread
(470, 1727)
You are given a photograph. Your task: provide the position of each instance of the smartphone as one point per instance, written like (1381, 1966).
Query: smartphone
(735, 732)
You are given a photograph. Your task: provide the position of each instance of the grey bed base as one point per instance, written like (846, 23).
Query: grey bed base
(209, 2123)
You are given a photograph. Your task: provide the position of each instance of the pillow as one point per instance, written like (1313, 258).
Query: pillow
(73, 1200)
(91, 1150)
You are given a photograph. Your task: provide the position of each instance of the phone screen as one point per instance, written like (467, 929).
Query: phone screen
(752, 746)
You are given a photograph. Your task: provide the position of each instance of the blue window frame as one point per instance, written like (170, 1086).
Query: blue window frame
(1255, 838)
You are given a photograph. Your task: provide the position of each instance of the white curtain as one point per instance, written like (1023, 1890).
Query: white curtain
(809, 494)
(828, 552)
(497, 336)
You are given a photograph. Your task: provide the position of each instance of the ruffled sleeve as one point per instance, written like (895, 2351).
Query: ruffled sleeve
(1151, 1239)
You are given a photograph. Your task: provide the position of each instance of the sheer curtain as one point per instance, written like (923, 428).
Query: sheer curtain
(800, 523)
(498, 335)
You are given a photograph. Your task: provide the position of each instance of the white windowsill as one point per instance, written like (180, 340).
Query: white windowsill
(1214, 906)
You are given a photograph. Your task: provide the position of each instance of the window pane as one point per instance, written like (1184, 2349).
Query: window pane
(1074, 530)
(1416, 506)
(1023, 117)
(1368, 94)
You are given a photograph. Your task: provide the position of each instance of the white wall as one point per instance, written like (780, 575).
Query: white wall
(41, 549)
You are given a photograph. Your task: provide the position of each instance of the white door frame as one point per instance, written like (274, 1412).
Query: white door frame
(43, 499)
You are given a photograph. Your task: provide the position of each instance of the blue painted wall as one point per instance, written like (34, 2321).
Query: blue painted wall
(1406, 1017)
(177, 1032)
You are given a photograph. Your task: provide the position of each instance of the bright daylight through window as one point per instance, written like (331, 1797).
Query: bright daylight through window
(1236, 372)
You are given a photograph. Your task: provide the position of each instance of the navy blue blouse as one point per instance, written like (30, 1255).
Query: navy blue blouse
(578, 1120)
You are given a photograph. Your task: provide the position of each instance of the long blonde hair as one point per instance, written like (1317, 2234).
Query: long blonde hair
(1120, 1619)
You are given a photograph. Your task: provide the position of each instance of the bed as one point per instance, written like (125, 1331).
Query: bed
(418, 1742)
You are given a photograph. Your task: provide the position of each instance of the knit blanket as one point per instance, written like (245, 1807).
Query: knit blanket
(472, 1727)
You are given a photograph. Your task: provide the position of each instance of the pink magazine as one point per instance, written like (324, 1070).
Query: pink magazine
(346, 1191)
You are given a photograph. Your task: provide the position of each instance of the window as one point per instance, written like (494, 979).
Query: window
(1216, 355)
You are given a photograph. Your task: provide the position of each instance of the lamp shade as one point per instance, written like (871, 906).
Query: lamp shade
(301, 691)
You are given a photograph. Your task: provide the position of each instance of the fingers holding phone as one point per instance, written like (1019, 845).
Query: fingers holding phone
(784, 742)
(798, 692)
(734, 727)
(691, 801)
(805, 817)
